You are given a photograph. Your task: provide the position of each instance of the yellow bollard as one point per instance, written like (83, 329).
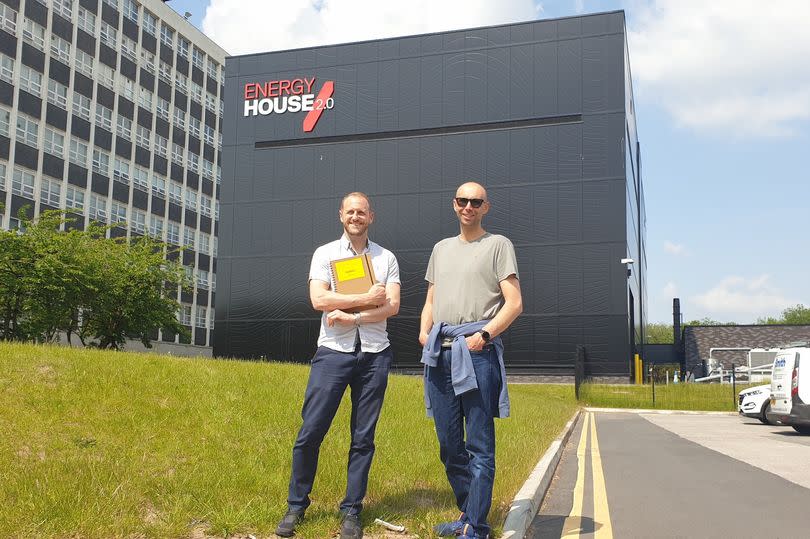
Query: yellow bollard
(639, 370)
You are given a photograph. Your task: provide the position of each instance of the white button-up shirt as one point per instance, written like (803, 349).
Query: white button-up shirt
(342, 337)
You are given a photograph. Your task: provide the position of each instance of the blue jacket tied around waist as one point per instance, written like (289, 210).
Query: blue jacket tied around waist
(462, 373)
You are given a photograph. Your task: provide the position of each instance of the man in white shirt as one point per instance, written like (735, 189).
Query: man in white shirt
(353, 351)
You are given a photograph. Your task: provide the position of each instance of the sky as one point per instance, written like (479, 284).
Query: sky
(722, 95)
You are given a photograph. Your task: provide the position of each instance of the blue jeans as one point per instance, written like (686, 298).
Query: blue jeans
(470, 463)
(331, 373)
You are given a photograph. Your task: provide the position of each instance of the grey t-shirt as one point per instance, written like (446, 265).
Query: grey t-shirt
(466, 277)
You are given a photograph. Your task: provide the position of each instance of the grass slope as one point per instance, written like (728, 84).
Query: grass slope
(100, 444)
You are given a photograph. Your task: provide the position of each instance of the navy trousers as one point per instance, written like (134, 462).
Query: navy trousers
(366, 374)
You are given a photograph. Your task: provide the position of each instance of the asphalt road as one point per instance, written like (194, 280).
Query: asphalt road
(678, 475)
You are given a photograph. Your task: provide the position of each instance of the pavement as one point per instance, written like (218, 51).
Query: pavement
(628, 474)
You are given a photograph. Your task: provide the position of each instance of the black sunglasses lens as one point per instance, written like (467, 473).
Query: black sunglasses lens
(474, 202)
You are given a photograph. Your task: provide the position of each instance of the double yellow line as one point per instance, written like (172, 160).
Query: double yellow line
(601, 514)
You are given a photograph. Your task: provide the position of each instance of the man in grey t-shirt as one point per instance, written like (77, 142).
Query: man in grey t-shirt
(473, 296)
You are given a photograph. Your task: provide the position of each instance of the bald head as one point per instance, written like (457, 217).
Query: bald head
(471, 190)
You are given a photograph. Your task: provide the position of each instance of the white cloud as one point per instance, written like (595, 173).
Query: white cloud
(737, 299)
(246, 26)
(670, 290)
(725, 66)
(676, 249)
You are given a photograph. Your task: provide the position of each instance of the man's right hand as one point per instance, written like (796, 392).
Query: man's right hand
(376, 294)
(423, 337)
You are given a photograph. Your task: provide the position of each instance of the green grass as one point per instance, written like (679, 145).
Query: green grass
(100, 444)
(706, 397)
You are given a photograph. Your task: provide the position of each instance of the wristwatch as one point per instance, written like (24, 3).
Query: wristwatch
(485, 335)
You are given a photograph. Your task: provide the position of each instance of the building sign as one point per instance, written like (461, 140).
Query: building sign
(289, 95)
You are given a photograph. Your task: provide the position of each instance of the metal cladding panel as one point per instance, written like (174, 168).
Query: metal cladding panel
(534, 111)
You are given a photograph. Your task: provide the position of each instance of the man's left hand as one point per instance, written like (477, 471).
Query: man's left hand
(339, 317)
(475, 342)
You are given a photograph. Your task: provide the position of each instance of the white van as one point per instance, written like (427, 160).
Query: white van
(790, 389)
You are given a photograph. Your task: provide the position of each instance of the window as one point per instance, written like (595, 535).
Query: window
(50, 192)
(6, 67)
(145, 98)
(167, 34)
(162, 108)
(129, 48)
(5, 121)
(205, 242)
(60, 49)
(158, 186)
(216, 210)
(210, 102)
(104, 117)
(77, 152)
(214, 254)
(97, 209)
(131, 10)
(194, 126)
(30, 80)
(208, 169)
(208, 135)
(57, 94)
(109, 35)
(213, 68)
(198, 57)
(211, 318)
(196, 92)
(64, 8)
(148, 61)
(149, 22)
(33, 34)
(173, 233)
(143, 136)
(138, 222)
(87, 21)
(140, 178)
(177, 153)
(125, 128)
(121, 171)
(53, 142)
(185, 315)
(179, 118)
(81, 106)
(193, 161)
(161, 145)
(22, 183)
(128, 88)
(205, 206)
(27, 130)
(199, 313)
(188, 237)
(8, 19)
(175, 193)
(113, 3)
(181, 82)
(84, 63)
(202, 279)
(191, 199)
(74, 198)
(165, 72)
(156, 226)
(182, 47)
(118, 213)
(219, 172)
(106, 76)
(101, 162)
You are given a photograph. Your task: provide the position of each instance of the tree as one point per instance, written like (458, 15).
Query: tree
(798, 314)
(659, 333)
(82, 283)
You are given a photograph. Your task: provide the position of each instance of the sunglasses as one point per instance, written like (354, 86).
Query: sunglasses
(474, 202)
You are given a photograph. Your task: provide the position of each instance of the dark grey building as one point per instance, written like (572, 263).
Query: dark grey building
(539, 112)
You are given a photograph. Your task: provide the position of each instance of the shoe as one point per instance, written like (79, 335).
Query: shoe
(286, 528)
(468, 532)
(350, 528)
(449, 529)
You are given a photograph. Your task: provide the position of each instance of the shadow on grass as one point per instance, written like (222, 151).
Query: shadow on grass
(414, 502)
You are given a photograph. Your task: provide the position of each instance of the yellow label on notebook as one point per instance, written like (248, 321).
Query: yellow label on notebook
(349, 269)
